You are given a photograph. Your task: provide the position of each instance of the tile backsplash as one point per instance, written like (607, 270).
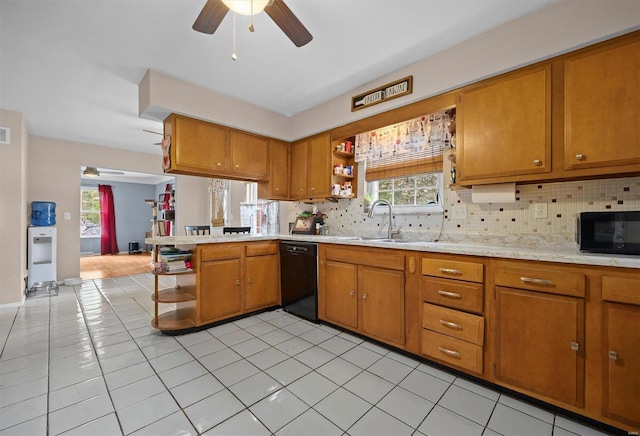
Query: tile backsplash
(511, 222)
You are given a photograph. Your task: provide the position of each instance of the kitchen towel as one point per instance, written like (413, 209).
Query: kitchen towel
(496, 193)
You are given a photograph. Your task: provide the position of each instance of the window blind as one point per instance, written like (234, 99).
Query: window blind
(405, 149)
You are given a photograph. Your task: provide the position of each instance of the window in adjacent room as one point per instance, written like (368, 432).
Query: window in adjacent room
(89, 212)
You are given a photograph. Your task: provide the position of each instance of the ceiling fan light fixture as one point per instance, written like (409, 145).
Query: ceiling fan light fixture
(91, 172)
(244, 7)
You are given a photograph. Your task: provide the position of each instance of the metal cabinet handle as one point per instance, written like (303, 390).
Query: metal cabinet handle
(249, 280)
(453, 325)
(449, 294)
(537, 162)
(237, 166)
(449, 271)
(613, 355)
(219, 164)
(313, 188)
(449, 352)
(575, 346)
(237, 282)
(579, 156)
(536, 281)
(364, 296)
(352, 293)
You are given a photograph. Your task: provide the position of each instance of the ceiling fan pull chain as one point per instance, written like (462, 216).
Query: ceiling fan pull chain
(233, 55)
(251, 28)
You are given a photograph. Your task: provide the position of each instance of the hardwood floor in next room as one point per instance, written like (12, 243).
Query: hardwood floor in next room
(107, 266)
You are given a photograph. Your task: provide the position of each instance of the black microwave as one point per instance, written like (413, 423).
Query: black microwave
(609, 232)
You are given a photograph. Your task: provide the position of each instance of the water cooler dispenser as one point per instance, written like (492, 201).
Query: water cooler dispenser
(41, 250)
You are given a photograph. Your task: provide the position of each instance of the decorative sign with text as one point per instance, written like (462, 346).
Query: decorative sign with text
(383, 93)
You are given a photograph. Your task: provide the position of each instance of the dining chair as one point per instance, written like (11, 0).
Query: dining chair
(229, 230)
(197, 230)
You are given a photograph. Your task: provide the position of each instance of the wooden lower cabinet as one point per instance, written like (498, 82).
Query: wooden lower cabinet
(221, 294)
(262, 282)
(621, 349)
(365, 298)
(236, 278)
(539, 339)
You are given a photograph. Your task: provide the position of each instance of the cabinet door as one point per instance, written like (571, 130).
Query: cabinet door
(319, 166)
(198, 146)
(262, 281)
(277, 188)
(602, 108)
(539, 342)
(220, 290)
(621, 384)
(298, 170)
(381, 293)
(341, 296)
(504, 127)
(249, 155)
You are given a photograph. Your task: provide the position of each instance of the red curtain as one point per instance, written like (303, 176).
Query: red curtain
(108, 240)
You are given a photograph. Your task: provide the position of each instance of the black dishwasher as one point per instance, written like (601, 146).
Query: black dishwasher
(299, 278)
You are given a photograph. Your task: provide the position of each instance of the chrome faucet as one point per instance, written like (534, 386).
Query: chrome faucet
(390, 233)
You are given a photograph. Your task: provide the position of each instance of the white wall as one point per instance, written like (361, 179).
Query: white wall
(13, 208)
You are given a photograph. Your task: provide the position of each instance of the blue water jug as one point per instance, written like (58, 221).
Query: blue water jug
(43, 213)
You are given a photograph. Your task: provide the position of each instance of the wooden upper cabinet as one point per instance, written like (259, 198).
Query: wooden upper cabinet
(277, 187)
(249, 155)
(602, 107)
(298, 169)
(200, 148)
(504, 127)
(197, 147)
(319, 166)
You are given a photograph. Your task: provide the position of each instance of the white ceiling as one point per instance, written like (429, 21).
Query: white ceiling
(72, 67)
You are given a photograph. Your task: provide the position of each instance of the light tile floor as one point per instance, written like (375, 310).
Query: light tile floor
(87, 362)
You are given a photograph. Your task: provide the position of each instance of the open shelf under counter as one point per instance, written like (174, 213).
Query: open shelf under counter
(178, 319)
(177, 294)
(177, 273)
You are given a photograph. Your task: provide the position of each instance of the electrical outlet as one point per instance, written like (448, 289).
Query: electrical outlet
(540, 210)
(459, 212)
(67, 215)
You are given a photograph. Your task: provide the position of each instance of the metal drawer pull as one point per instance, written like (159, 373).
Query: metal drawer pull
(613, 355)
(536, 281)
(579, 156)
(237, 282)
(449, 352)
(453, 325)
(537, 162)
(449, 294)
(449, 271)
(364, 296)
(352, 293)
(575, 346)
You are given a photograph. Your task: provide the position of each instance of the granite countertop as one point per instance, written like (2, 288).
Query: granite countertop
(561, 253)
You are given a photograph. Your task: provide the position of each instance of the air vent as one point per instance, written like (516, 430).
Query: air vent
(4, 135)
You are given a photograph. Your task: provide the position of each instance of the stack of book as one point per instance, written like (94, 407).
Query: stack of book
(174, 260)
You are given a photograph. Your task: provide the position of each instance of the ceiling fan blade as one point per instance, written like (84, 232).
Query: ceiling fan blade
(288, 23)
(210, 17)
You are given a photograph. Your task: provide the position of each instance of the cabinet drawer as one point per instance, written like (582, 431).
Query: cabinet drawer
(219, 251)
(621, 290)
(454, 323)
(468, 271)
(383, 258)
(451, 350)
(451, 293)
(261, 248)
(542, 280)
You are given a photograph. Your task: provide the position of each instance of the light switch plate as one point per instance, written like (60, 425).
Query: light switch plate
(459, 212)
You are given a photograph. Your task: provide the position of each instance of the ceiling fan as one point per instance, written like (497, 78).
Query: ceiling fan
(214, 12)
(93, 172)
